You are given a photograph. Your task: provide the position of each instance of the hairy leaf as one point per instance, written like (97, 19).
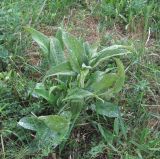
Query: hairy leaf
(112, 51)
(120, 77)
(91, 51)
(56, 54)
(42, 40)
(104, 82)
(78, 93)
(31, 123)
(61, 69)
(82, 77)
(107, 109)
(41, 91)
(76, 51)
(59, 37)
(56, 123)
(50, 130)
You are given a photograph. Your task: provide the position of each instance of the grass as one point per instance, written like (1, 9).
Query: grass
(102, 23)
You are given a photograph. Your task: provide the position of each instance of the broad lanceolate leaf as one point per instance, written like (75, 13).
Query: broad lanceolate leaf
(112, 51)
(59, 37)
(61, 69)
(104, 82)
(57, 127)
(78, 93)
(106, 108)
(56, 123)
(87, 49)
(109, 82)
(42, 40)
(82, 76)
(120, 76)
(91, 51)
(95, 76)
(50, 129)
(56, 54)
(41, 91)
(31, 123)
(76, 51)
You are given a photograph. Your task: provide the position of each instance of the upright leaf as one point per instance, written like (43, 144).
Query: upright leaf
(82, 76)
(56, 54)
(59, 37)
(120, 76)
(122, 126)
(87, 49)
(90, 50)
(76, 51)
(42, 40)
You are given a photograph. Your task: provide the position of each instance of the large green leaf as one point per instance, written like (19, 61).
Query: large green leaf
(90, 50)
(76, 51)
(59, 37)
(87, 49)
(41, 91)
(58, 127)
(56, 123)
(42, 40)
(31, 123)
(104, 82)
(61, 69)
(78, 93)
(106, 108)
(56, 54)
(95, 76)
(50, 130)
(112, 51)
(82, 77)
(120, 76)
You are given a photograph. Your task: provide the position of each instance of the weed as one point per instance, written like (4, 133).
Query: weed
(77, 78)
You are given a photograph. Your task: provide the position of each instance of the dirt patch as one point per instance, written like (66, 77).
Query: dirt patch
(85, 28)
(48, 30)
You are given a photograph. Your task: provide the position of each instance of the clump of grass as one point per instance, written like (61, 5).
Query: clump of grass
(131, 13)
